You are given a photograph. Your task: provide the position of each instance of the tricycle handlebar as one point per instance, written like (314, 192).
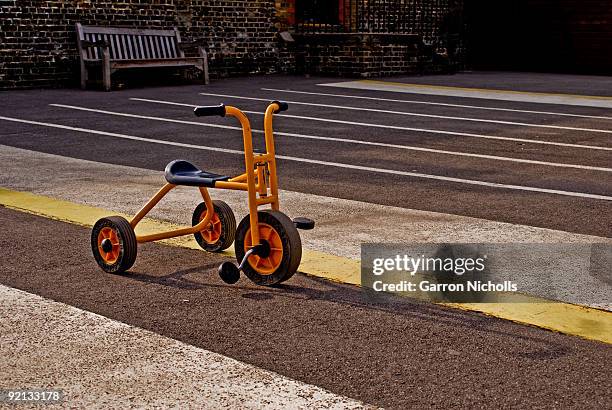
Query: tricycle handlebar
(210, 110)
(282, 106)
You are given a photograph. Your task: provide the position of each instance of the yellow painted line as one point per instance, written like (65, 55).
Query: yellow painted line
(485, 90)
(562, 317)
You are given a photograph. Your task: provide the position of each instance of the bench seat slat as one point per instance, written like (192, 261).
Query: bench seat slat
(145, 60)
(165, 62)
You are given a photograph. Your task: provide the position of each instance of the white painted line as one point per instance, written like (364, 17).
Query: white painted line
(414, 114)
(540, 98)
(345, 140)
(326, 163)
(47, 343)
(476, 107)
(365, 124)
(123, 136)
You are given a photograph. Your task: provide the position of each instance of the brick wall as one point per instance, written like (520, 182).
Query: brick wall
(408, 37)
(357, 55)
(38, 45)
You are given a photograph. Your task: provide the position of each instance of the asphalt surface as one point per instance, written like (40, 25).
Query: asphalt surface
(567, 213)
(387, 351)
(517, 81)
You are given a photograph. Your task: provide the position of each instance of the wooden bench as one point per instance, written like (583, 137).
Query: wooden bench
(112, 48)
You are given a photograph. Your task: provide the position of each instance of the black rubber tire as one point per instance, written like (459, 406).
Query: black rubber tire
(228, 226)
(127, 244)
(292, 247)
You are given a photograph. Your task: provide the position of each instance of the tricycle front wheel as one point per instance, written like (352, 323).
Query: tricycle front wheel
(284, 248)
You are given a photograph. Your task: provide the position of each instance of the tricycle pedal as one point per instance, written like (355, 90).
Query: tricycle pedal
(229, 273)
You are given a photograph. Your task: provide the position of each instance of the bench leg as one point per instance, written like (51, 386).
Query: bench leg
(106, 70)
(204, 56)
(83, 76)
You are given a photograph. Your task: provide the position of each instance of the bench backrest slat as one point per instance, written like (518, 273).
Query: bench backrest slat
(139, 47)
(171, 48)
(130, 44)
(164, 47)
(123, 48)
(92, 53)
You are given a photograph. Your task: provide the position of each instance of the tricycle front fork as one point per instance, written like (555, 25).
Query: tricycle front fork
(256, 168)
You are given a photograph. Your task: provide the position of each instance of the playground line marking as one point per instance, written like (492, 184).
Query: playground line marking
(365, 124)
(319, 162)
(415, 114)
(585, 322)
(347, 140)
(440, 104)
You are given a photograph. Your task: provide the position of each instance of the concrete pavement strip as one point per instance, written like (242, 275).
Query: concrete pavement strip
(489, 94)
(52, 345)
(567, 318)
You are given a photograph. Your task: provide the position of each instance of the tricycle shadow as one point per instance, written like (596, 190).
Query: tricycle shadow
(318, 289)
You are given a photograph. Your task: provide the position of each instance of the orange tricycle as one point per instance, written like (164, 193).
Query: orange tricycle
(267, 243)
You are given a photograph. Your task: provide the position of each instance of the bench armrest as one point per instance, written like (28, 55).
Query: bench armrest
(97, 43)
(192, 43)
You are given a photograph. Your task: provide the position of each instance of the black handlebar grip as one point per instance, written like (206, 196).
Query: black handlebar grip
(210, 110)
(282, 106)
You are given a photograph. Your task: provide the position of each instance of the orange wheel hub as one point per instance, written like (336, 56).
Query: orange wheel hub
(109, 245)
(269, 264)
(213, 232)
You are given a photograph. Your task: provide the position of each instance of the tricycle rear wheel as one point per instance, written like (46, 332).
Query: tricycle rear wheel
(220, 233)
(113, 243)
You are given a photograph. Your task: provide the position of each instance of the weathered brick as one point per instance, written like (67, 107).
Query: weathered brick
(42, 34)
(38, 41)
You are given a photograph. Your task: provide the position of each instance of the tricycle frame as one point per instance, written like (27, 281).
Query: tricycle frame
(259, 180)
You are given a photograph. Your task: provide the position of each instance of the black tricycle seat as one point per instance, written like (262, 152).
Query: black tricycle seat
(181, 172)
